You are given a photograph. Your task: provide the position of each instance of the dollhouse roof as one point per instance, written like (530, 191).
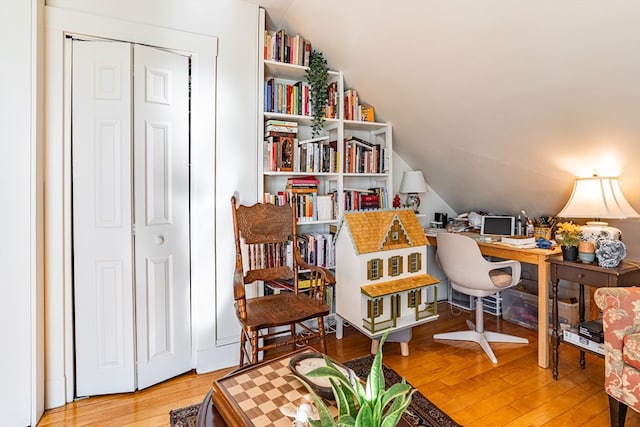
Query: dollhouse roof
(369, 230)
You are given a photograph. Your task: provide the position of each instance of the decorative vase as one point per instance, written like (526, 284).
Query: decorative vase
(610, 253)
(569, 253)
(587, 252)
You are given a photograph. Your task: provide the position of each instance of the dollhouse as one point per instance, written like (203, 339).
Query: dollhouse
(381, 273)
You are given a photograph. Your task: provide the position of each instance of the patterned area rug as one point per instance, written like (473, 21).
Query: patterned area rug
(421, 412)
(184, 417)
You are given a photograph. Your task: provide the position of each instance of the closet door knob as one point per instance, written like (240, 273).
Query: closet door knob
(159, 239)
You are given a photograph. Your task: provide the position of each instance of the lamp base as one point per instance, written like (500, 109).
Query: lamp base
(413, 201)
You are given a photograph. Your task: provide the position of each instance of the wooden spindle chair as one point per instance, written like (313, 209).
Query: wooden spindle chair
(267, 252)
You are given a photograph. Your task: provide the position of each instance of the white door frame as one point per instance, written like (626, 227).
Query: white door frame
(60, 381)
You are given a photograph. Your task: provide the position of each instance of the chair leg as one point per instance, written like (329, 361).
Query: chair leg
(243, 343)
(477, 334)
(254, 347)
(321, 332)
(617, 412)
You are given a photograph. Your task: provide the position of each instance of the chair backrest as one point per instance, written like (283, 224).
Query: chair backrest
(265, 243)
(463, 263)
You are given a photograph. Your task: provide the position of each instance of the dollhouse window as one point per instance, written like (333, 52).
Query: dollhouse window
(395, 265)
(374, 269)
(375, 308)
(415, 262)
(414, 299)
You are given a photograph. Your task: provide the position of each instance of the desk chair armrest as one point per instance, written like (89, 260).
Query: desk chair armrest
(515, 267)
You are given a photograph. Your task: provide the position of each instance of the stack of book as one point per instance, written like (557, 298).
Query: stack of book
(520, 241)
(280, 139)
(588, 335)
(303, 193)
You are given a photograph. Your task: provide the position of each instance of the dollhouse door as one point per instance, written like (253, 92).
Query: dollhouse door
(130, 179)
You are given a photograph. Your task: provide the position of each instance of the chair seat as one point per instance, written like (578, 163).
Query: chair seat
(282, 309)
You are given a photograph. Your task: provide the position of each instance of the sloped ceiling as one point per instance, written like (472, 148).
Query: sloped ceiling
(500, 103)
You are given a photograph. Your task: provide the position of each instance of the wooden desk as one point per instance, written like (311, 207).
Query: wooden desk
(534, 256)
(626, 274)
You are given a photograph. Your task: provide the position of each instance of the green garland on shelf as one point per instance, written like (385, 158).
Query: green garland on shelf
(317, 76)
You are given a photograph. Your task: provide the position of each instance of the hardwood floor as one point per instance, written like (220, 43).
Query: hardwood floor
(456, 376)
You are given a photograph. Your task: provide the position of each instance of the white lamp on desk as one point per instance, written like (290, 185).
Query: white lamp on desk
(412, 184)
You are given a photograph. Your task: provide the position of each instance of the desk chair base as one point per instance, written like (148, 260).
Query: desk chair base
(476, 333)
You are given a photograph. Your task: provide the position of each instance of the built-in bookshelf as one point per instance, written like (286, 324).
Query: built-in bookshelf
(350, 160)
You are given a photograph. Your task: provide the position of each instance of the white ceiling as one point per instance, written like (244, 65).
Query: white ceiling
(500, 103)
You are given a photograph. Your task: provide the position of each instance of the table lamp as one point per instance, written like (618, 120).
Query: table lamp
(413, 183)
(598, 198)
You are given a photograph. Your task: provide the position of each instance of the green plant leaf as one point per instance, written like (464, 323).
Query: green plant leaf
(365, 417)
(326, 419)
(375, 379)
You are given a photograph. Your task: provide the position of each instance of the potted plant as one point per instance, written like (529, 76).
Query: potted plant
(317, 77)
(368, 405)
(568, 235)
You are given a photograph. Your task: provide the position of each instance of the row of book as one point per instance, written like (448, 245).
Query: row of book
(317, 248)
(286, 97)
(282, 47)
(309, 207)
(361, 156)
(285, 153)
(269, 255)
(354, 110)
(365, 199)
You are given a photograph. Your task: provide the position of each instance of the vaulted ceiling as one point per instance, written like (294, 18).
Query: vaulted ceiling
(500, 103)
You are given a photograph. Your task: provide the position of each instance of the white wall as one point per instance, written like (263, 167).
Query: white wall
(430, 203)
(21, 296)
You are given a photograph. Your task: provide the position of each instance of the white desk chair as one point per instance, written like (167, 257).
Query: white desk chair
(470, 273)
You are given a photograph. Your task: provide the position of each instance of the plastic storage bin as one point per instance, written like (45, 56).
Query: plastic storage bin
(520, 306)
(491, 304)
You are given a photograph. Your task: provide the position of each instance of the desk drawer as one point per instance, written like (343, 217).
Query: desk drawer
(581, 275)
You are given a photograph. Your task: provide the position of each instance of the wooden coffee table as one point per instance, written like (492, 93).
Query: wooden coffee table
(253, 396)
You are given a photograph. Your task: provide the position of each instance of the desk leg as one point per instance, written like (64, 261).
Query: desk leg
(543, 313)
(583, 363)
(555, 338)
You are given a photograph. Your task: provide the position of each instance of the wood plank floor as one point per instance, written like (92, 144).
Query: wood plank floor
(456, 376)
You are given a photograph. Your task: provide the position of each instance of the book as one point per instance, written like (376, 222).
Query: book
(572, 336)
(592, 329)
(284, 129)
(311, 140)
(519, 240)
(274, 122)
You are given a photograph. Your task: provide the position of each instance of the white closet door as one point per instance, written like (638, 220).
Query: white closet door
(131, 216)
(102, 218)
(161, 188)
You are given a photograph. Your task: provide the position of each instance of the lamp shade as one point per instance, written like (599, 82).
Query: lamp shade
(597, 197)
(413, 182)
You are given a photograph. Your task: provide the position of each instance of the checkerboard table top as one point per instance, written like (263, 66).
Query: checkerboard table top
(257, 393)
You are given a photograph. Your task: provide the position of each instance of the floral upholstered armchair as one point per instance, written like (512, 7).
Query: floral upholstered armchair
(621, 319)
